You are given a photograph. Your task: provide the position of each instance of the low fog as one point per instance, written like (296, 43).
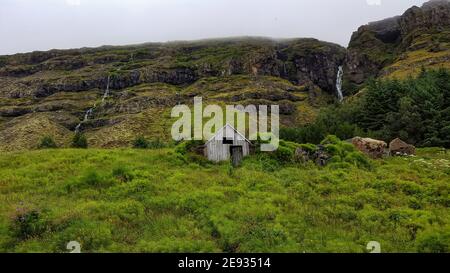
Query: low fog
(28, 25)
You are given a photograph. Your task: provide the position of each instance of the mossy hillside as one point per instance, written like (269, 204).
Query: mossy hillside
(389, 47)
(27, 131)
(412, 63)
(127, 200)
(145, 109)
(393, 63)
(428, 48)
(373, 49)
(147, 80)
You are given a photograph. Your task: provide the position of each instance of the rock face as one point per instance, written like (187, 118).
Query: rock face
(301, 61)
(371, 147)
(433, 14)
(399, 147)
(378, 45)
(146, 81)
(369, 49)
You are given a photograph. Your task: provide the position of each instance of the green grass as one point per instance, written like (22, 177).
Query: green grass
(128, 200)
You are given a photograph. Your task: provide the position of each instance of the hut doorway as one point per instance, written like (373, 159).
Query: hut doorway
(237, 154)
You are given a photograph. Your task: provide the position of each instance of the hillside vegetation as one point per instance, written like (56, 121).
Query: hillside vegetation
(48, 93)
(399, 47)
(157, 201)
(415, 109)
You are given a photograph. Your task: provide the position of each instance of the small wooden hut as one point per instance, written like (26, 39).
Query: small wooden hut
(228, 143)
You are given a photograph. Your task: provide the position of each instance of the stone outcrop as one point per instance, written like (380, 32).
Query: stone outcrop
(378, 44)
(398, 147)
(369, 49)
(320, 157)
(433, 14)
(371, 147)
(302, 61)
(302, 155)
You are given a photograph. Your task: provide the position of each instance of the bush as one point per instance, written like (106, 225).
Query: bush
(93, 179)
(434, 241)
(358, 159)
(140, 143)
(342, 152)
(123, 174)
(156, 144)
(79, 141)
(284, 154)
(47, 143)
(187, 146)
(29, 224)
(268, 163)
(199, 159)
(311, 148)
(331, 139)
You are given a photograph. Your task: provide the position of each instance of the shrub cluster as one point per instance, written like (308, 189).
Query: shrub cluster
(29, 224)
(343, 153)
(142, 143)
(79, 141)
(339, 153)
(416, 109)
(47, 142)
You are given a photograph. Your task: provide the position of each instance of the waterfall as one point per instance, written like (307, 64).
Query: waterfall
(86, 117)
(340, 76)
(105, 95)
(90, 111)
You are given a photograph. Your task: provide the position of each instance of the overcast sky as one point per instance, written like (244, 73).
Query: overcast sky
(28, 25)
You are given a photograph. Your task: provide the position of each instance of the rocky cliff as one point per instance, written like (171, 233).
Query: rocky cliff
(48, 93)
(401, 45)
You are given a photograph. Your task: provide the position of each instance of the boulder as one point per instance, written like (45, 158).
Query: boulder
(399, 147)
(321, 156)
(371, 147)
(302, 155)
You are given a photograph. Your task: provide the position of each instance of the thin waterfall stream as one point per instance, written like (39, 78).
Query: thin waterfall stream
(90, 111)
(340, 76)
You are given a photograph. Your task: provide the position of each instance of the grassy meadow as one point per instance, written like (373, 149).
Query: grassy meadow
(129, 200)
